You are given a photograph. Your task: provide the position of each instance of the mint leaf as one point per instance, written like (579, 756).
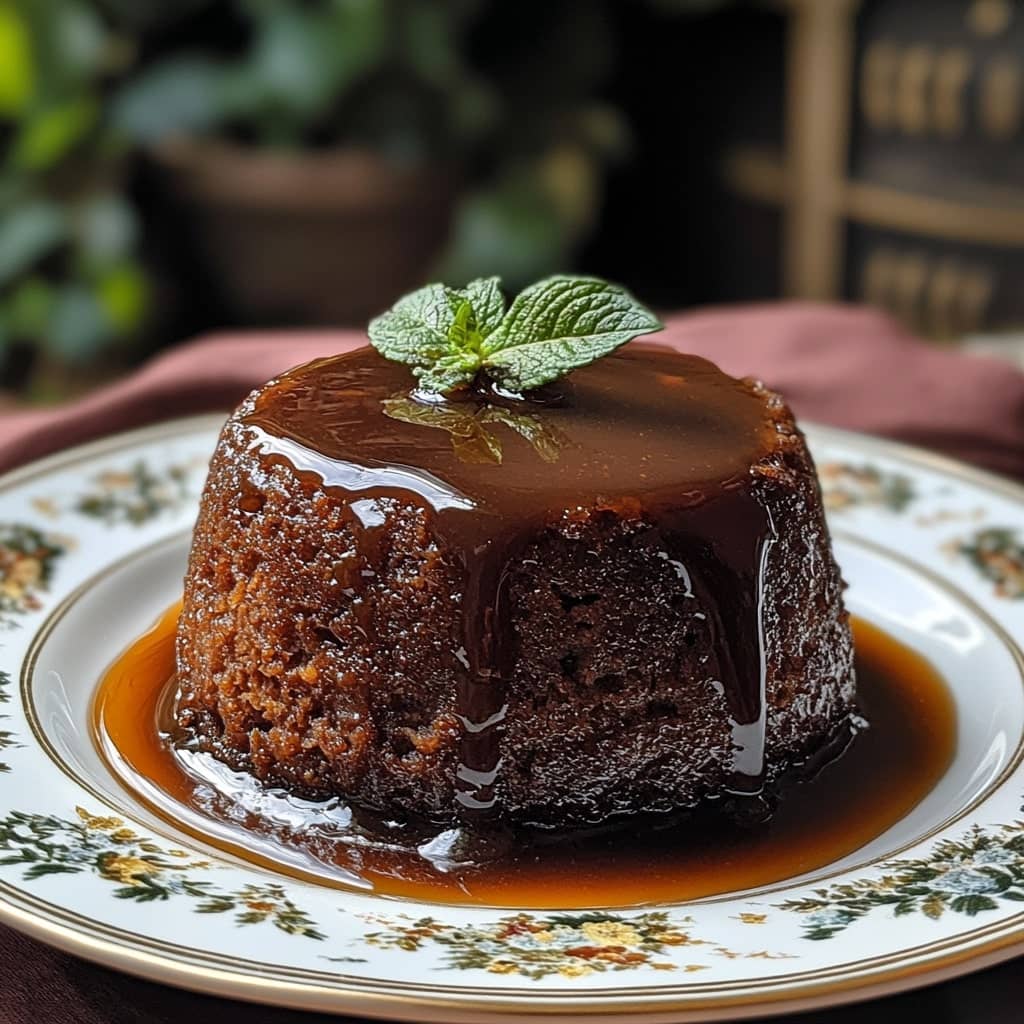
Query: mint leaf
(488, 303)
(415, 329)
(450, 336)
(449, 373)
(439, 331)
(560, 324)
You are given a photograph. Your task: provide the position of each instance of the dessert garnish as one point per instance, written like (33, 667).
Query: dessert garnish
(453, 337)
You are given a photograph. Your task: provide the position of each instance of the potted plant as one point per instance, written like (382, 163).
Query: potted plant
(328, 148)
(315, 158)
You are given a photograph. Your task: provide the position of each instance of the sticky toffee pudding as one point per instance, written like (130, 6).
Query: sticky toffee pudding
(832, 811)
(634, 612)
(525, 626)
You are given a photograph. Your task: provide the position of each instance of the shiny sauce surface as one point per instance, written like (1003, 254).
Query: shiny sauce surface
(888, 768)
(659, 437)
(644, 423)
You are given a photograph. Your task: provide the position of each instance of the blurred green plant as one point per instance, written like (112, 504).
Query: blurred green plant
(512, 104)
(389, 74)
(71, 286)
(520, 123)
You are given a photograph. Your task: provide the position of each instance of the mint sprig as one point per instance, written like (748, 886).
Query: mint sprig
(451, 337)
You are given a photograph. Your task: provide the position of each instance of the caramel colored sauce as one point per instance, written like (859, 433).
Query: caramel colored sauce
(885, 772)
(666, 435)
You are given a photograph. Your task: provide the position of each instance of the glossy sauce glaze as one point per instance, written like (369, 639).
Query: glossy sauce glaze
(667, 435)
(886, 771)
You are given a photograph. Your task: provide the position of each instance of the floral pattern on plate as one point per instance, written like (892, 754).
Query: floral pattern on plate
(998, 554)
(133, 495)
(141, 869)
(28, 557)
(845, 486)
(966, 876)
(571, 945)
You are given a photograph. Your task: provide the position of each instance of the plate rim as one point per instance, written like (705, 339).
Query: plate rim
(384, 998)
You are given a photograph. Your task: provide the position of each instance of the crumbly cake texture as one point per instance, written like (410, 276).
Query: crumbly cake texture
(330, 672)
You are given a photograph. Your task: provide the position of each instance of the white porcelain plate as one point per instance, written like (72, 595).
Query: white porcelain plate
(92, 549)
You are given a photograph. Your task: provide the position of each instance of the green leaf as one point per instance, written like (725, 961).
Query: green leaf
(106, 228)
(122, 294)
(484, 294)
(79, 329)
(183, 96)
(52, 133)
(292, 60)
(463, 333)
(560, 324)
(415, 330)
(17, 68)
(74, 45)
(449, 373)
(29, 310)
(27, 234)
(432, 330)
(40, 870)
(140, 893)
(973, 904)
(448, 335)
(511, 229)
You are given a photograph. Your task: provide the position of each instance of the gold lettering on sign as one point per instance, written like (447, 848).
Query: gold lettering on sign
(878, 84)
(951, 74)
(987, 18)
(1000, 98)
(914, 81)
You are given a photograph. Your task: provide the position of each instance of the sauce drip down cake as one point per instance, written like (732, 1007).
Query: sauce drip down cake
(612, 596)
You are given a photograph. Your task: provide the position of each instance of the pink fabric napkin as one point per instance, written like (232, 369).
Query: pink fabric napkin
(846, 366)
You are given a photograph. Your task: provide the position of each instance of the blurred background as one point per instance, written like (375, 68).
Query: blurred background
(170, 168)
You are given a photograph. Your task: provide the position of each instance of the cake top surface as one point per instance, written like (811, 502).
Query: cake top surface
(643, 423)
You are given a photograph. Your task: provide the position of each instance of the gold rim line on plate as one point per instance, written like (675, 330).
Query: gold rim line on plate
(309, 877)
(997, 948)
(189, 956)
(791, 992)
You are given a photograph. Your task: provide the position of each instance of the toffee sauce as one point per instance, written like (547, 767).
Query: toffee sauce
(886, 770)
(615, 440)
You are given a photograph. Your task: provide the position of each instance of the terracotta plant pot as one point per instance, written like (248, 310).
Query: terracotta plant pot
(326, 237)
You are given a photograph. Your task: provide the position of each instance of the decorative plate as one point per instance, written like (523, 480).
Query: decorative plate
(92, 549)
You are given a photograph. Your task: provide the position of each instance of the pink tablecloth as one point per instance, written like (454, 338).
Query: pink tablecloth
(841, 365)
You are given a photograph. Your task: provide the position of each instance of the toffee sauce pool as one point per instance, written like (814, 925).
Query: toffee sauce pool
(887, 769)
